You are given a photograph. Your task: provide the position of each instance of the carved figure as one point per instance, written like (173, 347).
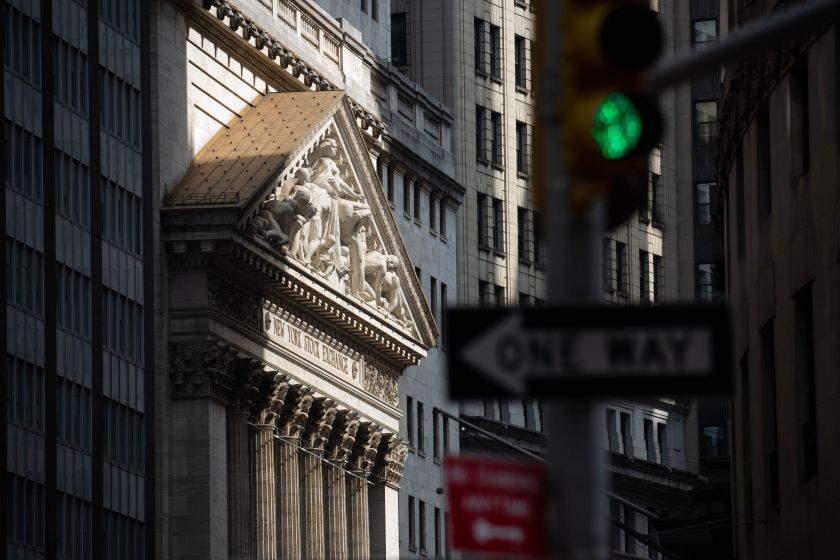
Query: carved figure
(353, 219)
(280, 221)
(377, 265)
(325, 171)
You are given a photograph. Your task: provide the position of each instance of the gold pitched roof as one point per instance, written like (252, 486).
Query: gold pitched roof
(253, 148)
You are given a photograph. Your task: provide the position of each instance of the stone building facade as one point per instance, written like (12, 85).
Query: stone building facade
(781, 210)
(278, 129)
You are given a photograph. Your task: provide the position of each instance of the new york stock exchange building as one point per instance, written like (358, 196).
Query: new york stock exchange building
(288, 304)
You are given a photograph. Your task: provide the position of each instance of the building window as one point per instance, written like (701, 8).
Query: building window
(437, 533)
(799, 118)
(609, 265)
(806, 382)
(644, 276)
(408, 183)
(399, 40)
(705, 121)
(364, 6)
(412, 524)
(480, 48)
(522, 148)
(524, 300)
(612, 434)
(483, 293)
(539, 242)
(662, 443)
(497, 145)
(409, 420)
(762, 157)
(481, 136)
(442, 217)
(421, 514)
(433, 297)
(70, 76)
(418, 191)
(374, 9)
(498, 225)
(421, 436)
(499, 296)
(626, 427)
(444, 303)
(658, 278)
(705, 31)
(436, 436)
(771, 428)
(496, 52)
(650, 445)
(523, 241)
(483, 221)
(520, 61)
(714, 441)
(432, 216)
(622, 267)
(703, 195)
(705, 281)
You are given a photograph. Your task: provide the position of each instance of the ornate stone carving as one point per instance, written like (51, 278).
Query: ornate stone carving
(343, 436)
(381, 385)
(273, 397)
(246, 388)
(321, 218)
(390, 461)
(201, 369)
(228, 300)
(319, 425)
(292, 420)
(365, 449)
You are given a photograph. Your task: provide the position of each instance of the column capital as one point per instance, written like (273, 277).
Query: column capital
(293, 418)
(365, 448)
(274, 387)
(343, 435)
(389, 466)
(319, 424)
(201, 368)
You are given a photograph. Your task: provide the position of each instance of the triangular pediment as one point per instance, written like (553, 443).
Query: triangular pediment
(321, 207)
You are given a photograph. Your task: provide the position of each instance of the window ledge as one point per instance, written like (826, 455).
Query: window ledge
(481, 73)
(482, 160)
(437, 460)
(442, 238)
(525, 262)
(522, 89)
(523, 174)
(421, 453)
(412, 548)
(483, 247)
(500, 254)
(406, 215)
(539, 266)
(417, 222)
(497, 79)
(498, 166)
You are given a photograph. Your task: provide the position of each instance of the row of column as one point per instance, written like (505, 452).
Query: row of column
(298, 473)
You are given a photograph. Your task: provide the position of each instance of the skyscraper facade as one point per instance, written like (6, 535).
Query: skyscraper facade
(77, 350)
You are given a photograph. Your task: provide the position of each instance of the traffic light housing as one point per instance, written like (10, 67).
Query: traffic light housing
(609, 121)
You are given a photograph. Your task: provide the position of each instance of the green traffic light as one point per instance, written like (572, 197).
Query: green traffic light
(617, 126)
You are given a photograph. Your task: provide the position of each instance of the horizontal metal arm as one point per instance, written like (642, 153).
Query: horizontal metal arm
(745, 41)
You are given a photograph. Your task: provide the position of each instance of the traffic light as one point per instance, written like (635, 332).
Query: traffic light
(609, 122)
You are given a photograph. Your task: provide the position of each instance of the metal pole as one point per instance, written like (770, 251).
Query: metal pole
(577, 459)
(762, 33)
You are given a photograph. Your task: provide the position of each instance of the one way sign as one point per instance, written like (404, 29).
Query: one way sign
(596, 350)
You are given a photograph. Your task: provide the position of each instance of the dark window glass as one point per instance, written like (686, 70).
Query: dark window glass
(399, 40)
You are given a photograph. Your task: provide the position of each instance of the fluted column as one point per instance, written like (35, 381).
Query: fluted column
(383, 502)
(361, 462)
(337, 452)
(241, 534)
(315, 436)
(265, 494)
(289, 426)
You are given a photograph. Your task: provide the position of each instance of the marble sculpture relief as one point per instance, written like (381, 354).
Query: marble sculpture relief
(321, 218)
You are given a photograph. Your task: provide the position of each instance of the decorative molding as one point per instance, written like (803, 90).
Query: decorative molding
(291, 63)
(343, 435)
(247, 384)
(365, 449)
(319, 425)
(292, 420)
(381, 384)
(201, 369)
(245, 308)
(390, 461)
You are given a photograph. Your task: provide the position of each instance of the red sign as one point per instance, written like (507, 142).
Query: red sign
(497, 506)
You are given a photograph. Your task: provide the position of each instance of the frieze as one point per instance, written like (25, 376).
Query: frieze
(201, 369)
(381, 385)
(310, 345)
(246, 308)
(389, 466)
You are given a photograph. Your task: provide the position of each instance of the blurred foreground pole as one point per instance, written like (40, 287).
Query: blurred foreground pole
(576, 457)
